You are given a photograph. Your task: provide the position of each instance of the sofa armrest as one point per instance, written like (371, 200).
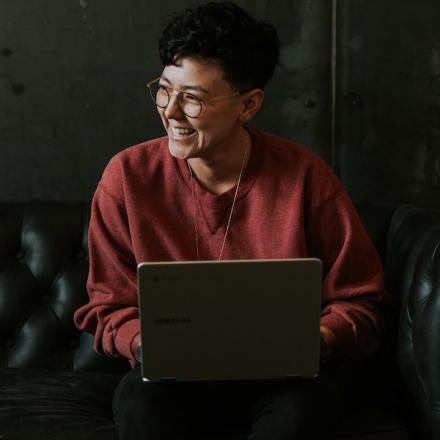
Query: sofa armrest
(413, 280)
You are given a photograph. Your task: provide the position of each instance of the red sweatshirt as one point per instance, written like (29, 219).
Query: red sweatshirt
(290, 204)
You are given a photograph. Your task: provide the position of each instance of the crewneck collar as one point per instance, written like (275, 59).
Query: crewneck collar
(220, 201)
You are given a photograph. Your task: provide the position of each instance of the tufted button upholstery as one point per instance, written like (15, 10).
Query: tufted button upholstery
(43, 270)
(413, 275)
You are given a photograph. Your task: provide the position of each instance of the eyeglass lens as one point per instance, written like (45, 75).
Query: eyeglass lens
(188, 103)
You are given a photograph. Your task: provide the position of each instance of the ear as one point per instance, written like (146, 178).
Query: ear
(251, 103)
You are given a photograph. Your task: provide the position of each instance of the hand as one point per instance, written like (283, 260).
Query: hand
(328, 340)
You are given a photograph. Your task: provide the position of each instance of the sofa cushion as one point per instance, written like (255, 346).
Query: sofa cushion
(54, 405)
(50, 405)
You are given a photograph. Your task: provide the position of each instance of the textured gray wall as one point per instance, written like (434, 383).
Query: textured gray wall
(388, 100)
(72, 86)
(72, 91)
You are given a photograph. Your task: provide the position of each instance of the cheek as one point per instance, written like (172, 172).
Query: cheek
(162, 116)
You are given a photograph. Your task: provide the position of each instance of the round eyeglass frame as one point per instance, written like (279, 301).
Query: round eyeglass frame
(179, 93)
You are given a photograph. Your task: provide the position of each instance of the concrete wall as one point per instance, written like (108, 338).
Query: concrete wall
(388, 100)
(73, 74)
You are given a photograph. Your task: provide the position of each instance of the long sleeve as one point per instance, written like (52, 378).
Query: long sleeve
(353, 277)
(112, 311)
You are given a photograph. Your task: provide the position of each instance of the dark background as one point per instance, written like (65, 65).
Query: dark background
(358, 83)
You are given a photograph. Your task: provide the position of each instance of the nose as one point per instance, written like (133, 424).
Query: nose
(173, 110)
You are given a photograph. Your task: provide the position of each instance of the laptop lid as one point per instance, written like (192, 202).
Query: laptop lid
(230, 320)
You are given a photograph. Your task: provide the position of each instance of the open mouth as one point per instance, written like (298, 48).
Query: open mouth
(182, 133)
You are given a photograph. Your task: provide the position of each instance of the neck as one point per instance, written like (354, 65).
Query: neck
(220, 173)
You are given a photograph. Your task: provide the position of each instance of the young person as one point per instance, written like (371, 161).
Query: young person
(213, 188)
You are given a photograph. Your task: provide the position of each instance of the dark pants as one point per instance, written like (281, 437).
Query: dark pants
(255, 410)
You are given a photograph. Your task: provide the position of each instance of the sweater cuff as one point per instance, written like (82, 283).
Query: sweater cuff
(124, 339)
(343, 331)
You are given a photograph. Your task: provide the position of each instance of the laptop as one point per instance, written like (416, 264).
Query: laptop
(230, 320)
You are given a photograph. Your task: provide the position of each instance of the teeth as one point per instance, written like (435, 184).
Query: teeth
(181, 131)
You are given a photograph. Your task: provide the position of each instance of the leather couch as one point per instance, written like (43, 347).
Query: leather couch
(53, 386)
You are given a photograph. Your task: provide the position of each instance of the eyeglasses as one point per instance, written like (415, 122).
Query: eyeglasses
(190, 104)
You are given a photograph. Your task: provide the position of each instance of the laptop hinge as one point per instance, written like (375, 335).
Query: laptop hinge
(168, 379)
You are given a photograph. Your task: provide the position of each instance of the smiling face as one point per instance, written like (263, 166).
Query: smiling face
(217, 129)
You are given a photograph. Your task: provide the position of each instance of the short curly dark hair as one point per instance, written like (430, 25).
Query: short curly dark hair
(247, 50)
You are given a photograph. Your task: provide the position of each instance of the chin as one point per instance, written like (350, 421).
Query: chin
(180, 151)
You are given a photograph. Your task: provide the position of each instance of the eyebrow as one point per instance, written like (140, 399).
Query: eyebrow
(188, 87)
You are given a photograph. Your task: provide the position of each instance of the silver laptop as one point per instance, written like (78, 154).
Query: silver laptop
(230, 320)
